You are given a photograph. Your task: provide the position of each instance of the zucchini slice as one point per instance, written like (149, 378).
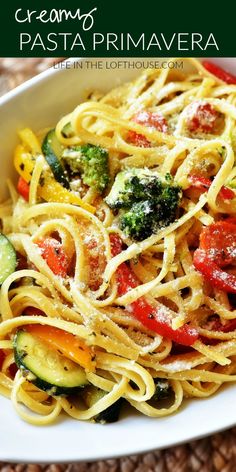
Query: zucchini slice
(67, 131)
(52, 150)
(163, 389)
(92, 395)
(7, 258)
(45, 367)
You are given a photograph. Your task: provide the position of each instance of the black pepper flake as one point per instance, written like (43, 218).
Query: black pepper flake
(151, 316)
(41, 181)
(22, 166)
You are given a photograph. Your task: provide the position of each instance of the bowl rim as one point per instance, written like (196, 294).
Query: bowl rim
(11, 94)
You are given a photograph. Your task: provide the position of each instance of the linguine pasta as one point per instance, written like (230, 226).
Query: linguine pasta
(128, 358)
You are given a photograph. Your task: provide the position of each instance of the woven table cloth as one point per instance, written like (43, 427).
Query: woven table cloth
(214, 453)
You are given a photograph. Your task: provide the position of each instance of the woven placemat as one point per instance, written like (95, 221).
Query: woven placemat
(216, 453)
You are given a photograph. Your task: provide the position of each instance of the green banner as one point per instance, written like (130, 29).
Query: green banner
(106, 28)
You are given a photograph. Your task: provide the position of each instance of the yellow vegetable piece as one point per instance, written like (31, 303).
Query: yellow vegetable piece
(23, 162)
(69, 345)
(30, 141)
(52, 191)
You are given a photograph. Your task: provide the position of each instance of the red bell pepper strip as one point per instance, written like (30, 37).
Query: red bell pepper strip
(203, 184)
(219, 242)
(231, 219)
(151, 120)
(219, 72)
(2, 357)
(212, 272)
(32, 311)
(53, 253)
(217, 250)
(201, 117)
(153, 318)
(229, 326)
(23, 188)
(138, 139)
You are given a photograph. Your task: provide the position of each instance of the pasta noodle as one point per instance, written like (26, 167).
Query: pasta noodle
(193, 143)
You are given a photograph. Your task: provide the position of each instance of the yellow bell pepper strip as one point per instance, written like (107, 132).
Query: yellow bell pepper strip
(52, 191)
(24, 156)
(30, 141)
(24, 162)
(49, 189)
(67, 344)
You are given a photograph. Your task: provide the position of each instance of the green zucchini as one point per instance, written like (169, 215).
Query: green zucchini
(163, 389)
(7, 258)
(45, 367)
(92, 395)
(52, 150)
(67, 130)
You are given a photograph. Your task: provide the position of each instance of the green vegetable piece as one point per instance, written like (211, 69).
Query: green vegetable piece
(131, 186)
(67, 130)
(163, 389)
(137, 222)
(91, 162)
(232, 184)
(7, 258)
(146, 200)
(53, 150)
(45, 367)
(111, 414)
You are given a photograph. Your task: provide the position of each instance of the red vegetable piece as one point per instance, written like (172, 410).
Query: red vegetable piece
(156, 320)
(226, 193)
(219, 72)
(213, 274)
(138, 139)
(151, 120)
(23, 188)
(32, 311)
(2, 357)
(219, 242)
(201, 117)
(229, 326)
(203, 184)
(54, 255)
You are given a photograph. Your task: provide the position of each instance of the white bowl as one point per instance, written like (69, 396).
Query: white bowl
(39, 103)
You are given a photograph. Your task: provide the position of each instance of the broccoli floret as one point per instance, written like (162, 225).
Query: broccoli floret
(137, 222)
(95, 166)
(131, 186)
(119, 196)
(91, 162)
(146, 200)
(166, 205)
